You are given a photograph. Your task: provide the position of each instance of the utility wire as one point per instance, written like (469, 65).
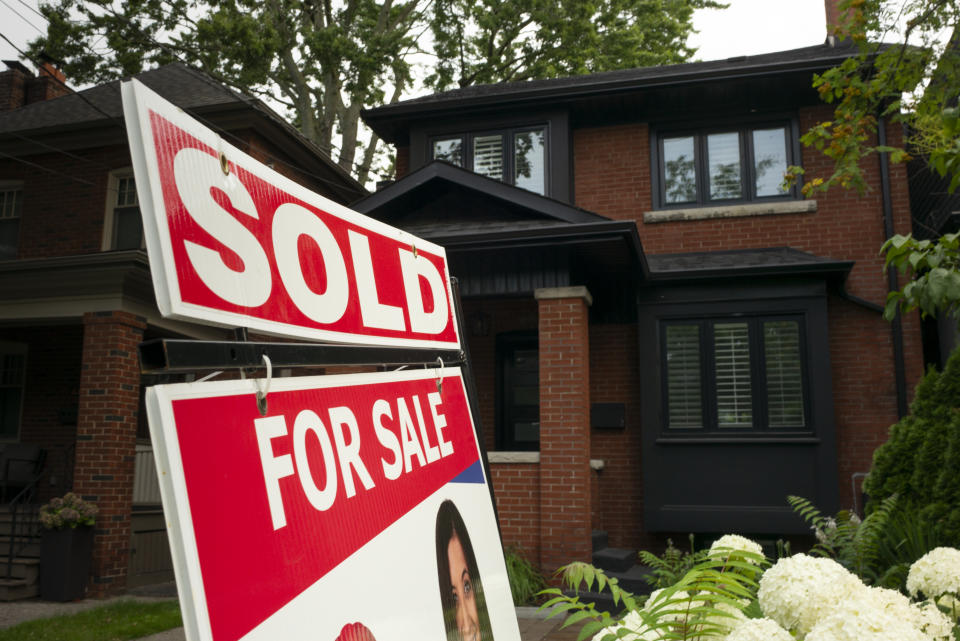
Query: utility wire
(33, 9)
(46, 169)
(21, 16)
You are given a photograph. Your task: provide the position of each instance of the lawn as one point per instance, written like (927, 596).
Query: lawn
(117, 621)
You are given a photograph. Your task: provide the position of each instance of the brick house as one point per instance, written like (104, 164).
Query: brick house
(665, 340)
(76, 296)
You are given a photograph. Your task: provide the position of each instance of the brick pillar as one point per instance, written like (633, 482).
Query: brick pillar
(564, 426)
(106, 439)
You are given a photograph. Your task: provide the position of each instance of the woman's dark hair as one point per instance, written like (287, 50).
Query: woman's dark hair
(450, 524)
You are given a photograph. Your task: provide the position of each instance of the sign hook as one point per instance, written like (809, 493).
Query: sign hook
(262, 393)
(439, 377)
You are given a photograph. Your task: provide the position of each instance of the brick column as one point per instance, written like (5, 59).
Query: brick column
(564, 426)
(106, 439)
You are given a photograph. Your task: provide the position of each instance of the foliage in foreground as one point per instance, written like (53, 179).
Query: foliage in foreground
(117, 621)
(879, 549)
(525, 580)
(919, 461)
(730, 596)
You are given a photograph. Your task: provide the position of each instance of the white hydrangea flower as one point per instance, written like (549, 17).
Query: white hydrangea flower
(935, 573)
(926, 618)
(758, 630)
(800, 590)
(637, 629)
(733, 542)
(858, 619)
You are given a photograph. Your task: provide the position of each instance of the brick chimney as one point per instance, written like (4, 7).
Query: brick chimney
(834, 19)
(19, 87)
(13, 85)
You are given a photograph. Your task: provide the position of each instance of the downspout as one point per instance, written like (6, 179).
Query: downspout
(896, 327)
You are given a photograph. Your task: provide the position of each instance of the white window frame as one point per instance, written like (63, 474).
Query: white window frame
(14, 185)
(109, 242)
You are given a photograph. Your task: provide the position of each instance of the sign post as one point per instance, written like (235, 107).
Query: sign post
(328, 508)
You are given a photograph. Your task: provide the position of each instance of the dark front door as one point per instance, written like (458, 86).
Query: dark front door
(518, 424)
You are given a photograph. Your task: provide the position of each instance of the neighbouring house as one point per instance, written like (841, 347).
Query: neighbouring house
(76, 296)
(665, 339)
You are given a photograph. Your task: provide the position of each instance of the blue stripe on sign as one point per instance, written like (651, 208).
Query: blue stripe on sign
(473, 474)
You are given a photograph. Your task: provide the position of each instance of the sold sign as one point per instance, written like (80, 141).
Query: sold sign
(234, 243)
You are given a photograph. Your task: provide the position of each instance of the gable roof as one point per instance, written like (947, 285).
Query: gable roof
(100, 108)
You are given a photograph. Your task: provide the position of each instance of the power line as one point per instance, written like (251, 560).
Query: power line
(46, 169)
(21, 16)
(33, 9)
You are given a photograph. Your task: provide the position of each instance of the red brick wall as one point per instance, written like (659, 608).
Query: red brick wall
(517, 490)
(564, 432)
(106, 439)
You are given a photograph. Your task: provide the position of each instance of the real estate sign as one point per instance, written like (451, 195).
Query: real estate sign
(356, 508)
(234, 243)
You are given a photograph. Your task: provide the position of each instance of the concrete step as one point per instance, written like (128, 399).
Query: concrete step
(16, 589)
(26, 569)
(614, 559)
(600, 539)
(634, 579)
(29, 548)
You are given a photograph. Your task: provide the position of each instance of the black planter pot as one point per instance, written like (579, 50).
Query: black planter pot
(65, 563)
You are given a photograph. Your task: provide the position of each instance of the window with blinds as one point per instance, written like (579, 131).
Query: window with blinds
(684, 404)
(729, 375)
(517, 155)
(127, 223)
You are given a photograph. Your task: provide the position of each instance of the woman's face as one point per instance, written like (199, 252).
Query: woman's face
(463, 595)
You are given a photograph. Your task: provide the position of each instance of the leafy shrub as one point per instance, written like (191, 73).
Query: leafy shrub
(881, 548)
(667, 568)
(525, 580)
(919, 461)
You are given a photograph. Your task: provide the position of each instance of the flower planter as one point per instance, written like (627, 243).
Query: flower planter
(65, 563)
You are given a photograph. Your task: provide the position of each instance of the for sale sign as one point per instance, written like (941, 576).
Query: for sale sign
(234, 243)
(356, 508)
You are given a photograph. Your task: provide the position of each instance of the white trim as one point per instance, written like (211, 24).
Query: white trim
(109, 239)
(730, 211)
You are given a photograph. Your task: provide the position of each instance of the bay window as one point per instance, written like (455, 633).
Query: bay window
(734, 374)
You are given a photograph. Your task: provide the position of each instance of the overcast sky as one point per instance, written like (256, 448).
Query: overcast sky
(747, 27)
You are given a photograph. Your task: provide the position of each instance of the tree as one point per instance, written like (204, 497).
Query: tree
(325, 61)
(915, 82)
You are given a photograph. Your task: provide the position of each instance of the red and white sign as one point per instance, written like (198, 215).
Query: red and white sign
(234, 243)
(355, 508)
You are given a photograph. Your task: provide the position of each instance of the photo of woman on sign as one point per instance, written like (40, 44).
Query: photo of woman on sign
(461, 592)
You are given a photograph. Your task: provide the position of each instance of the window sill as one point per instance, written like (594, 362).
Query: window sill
(730, 211)
(742, 440)
(501, 458)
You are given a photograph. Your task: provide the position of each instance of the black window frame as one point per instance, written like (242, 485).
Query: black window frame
(700, 135)
(508, 153)
(758, 379)
(507, 344)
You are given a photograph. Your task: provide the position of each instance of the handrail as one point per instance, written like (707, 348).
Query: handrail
(27, 526)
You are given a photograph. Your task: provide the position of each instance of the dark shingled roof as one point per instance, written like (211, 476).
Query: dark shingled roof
(813, 58)
(188, 88)
(767, 261)
(178, 83)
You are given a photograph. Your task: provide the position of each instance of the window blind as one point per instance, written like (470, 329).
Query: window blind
(723, 151)
(488, 156)
(781, 348)
(684, 405)
(731, 346)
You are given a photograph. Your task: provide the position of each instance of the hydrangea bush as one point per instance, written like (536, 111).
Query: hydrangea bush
(68, 512)
(735, 595)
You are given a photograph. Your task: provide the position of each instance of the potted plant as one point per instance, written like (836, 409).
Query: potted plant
(66, 547)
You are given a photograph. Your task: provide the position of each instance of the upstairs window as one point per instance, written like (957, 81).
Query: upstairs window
(123, 213)
(11, 208)
(734, 374)
(723, 166)
(515, 156)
